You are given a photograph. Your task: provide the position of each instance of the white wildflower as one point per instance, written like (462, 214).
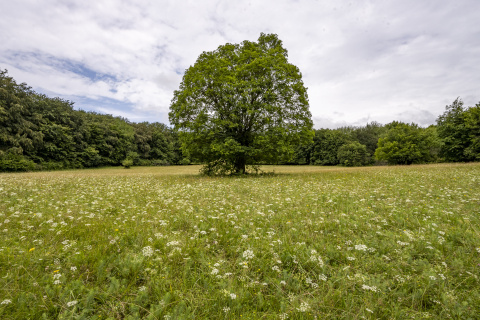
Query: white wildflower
(304, 307)
(72, 303)
(6, 301)
(361, 247)
(147, 251)
(233, 296)
(214, 271)
(248, 254)
(369, 288)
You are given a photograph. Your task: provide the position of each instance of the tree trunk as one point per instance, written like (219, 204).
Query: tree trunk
(240, 164)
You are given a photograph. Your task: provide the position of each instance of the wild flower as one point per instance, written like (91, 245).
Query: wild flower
(248, 254)
(350, 258)
(361, 247)
(6, 301)
(283, 316)
(322, 277)
(142, 288)
(226, 309)
(369, 288)
(214, 271)
(57, 282)
(233, 296)
(147, 251)
(304, 307)
(72, 303)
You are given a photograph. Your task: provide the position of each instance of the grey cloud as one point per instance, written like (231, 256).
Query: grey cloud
(360, 59)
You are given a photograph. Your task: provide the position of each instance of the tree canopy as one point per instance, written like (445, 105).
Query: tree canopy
(459, 128)
(242, 104)
(405, 143)
(38, 132)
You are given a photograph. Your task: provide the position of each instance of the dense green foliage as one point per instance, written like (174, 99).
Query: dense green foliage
(353, 154)
(405, 143)
(38, 132)
(459, 129)
(351, 146)
(242, 104)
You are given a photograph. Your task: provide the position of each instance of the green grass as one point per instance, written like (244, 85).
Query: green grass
(305, 243)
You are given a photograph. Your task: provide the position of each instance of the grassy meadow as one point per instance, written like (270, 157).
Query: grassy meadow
(306, 243)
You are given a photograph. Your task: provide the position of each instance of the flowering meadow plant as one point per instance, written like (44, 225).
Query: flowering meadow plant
(306, 243)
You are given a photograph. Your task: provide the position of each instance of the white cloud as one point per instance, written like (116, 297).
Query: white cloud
(361, 60)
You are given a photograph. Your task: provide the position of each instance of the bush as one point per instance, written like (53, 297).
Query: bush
(353, 154)
(15, 165)
(127, 163)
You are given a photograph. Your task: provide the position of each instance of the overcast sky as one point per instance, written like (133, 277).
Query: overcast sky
(361, 60)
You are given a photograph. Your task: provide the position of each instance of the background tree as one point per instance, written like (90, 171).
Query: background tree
(38, 132)
(240, 105)
(405, 143)
(368, 136)
(472, 123)
(459, 130)
(326, 144)
(353, 154)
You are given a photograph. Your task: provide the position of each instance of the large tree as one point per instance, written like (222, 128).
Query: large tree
(240, 105)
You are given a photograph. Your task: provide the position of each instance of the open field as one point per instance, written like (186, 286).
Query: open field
(309, 242)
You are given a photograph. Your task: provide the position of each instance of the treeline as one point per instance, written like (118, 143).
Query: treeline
(38, 132)
(455, 138)
(42, 133)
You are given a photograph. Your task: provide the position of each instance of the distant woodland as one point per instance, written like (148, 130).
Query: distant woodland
(42, 133)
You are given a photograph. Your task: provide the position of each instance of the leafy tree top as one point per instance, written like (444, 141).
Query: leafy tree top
(242, 104)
